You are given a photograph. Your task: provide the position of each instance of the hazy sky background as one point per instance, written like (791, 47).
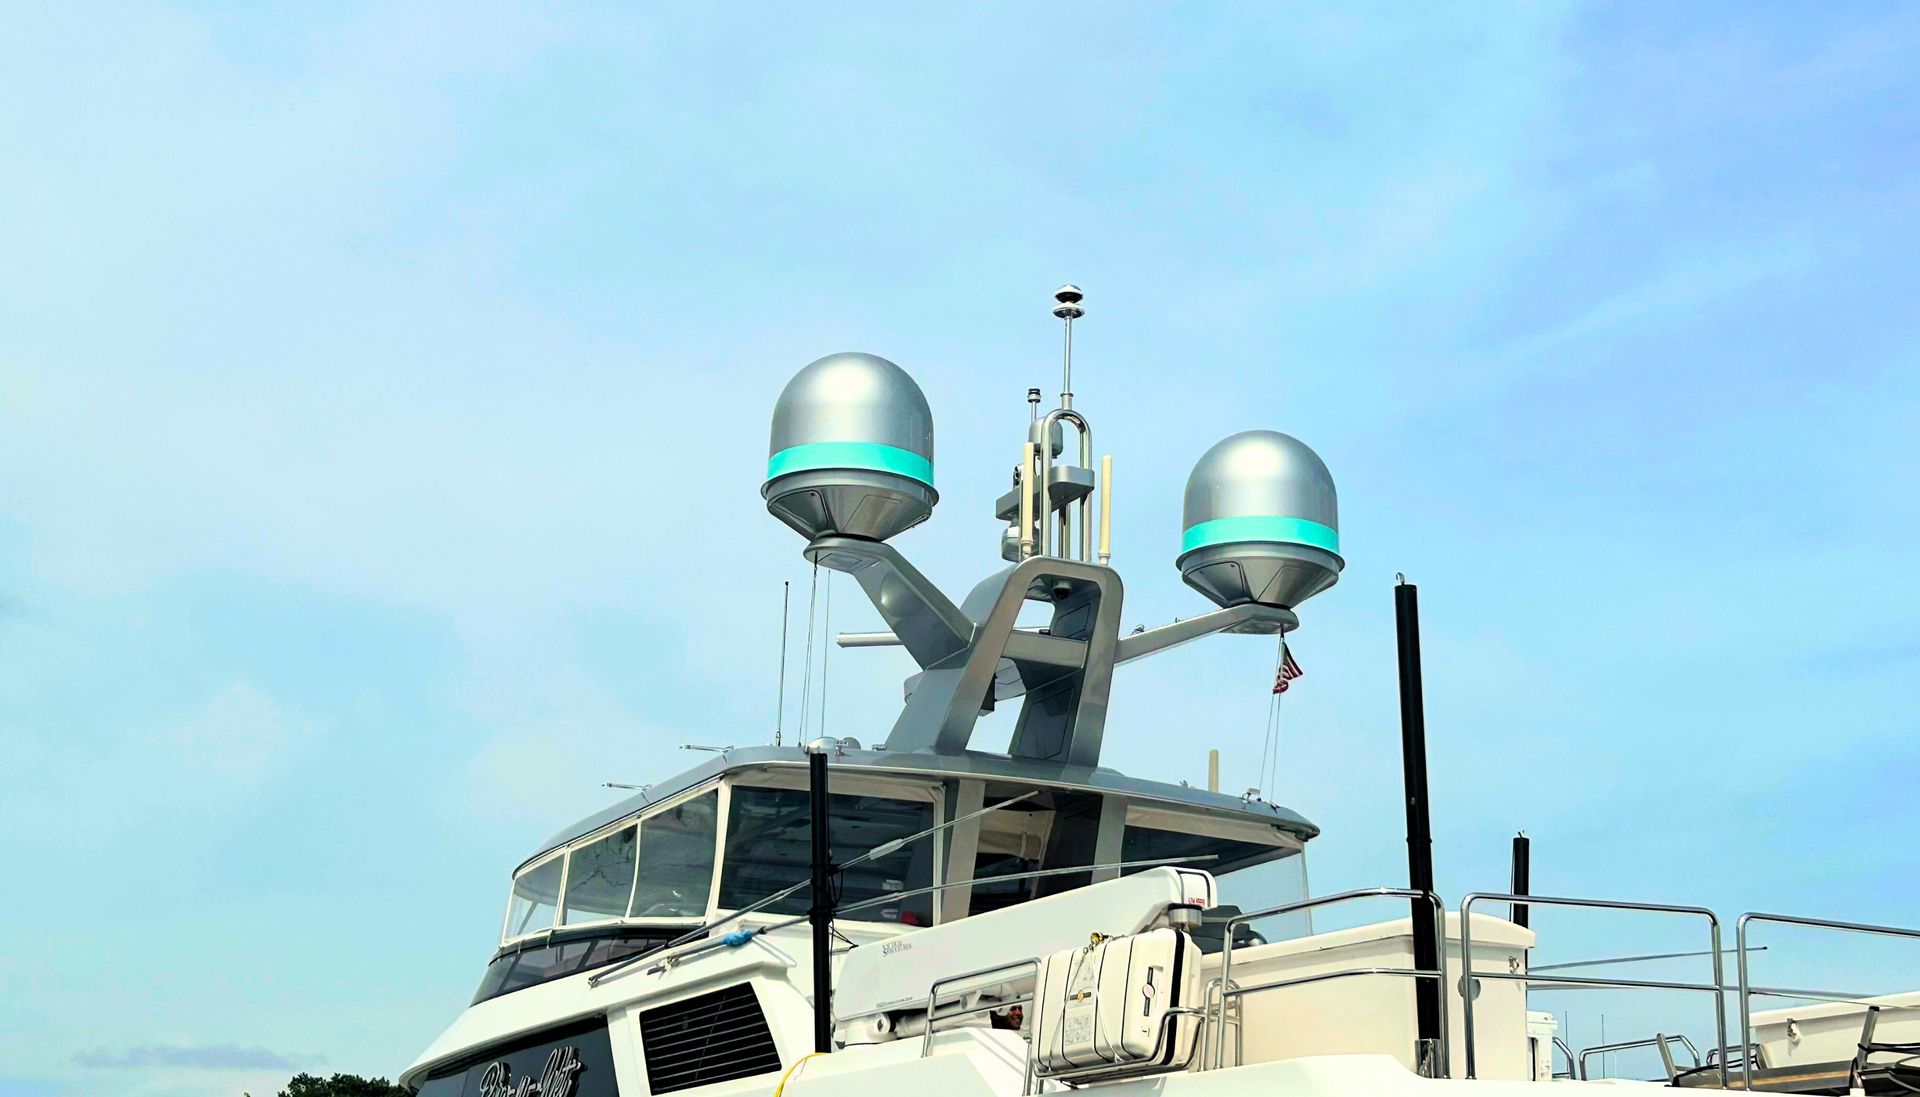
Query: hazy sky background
(383, 400)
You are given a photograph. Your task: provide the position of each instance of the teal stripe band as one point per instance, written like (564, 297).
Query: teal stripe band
(871, 456)
(1261, 527)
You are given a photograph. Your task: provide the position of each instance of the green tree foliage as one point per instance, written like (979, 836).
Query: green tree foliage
(340, 1085)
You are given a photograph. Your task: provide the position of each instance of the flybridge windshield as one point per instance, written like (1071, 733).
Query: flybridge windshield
(713, 850)
(660, 868)
(663, 867)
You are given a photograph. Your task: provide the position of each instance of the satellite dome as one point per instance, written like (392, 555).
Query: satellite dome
(851, 451)
(1262, 522)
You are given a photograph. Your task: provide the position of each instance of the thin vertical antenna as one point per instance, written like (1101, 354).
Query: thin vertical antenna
(1068, 309)
(806, 672)
(780, 706)
(1270, 738)
(826, 649)
(1272, 778)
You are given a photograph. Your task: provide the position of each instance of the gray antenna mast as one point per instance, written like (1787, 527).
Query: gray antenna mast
(1068, 308)
(850, 465)
(1041, 506)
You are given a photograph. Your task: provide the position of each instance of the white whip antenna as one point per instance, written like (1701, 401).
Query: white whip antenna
(780, 702)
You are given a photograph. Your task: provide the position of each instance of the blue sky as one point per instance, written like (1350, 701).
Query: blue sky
(366, 375)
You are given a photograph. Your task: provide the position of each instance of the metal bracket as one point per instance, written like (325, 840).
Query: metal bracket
(1247, 618)
(926, 621)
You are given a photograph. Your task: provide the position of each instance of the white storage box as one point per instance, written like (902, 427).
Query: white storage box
(1106, 1006)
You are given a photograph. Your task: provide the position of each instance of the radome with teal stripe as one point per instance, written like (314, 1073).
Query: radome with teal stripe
(1261, 527)
(868, 456)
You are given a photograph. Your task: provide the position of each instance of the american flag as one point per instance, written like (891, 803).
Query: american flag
(1289, 670)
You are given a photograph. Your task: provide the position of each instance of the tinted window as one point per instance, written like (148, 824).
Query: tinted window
(1153, 844)
(769, 848)
(989, 895)
(536, 897)
(676, 860)
(1012, 841)
(600, 879)
(522, 968)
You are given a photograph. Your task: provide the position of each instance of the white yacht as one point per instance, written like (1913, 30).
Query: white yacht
(921, 917)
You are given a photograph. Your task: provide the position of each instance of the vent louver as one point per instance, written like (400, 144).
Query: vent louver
(712, 1038)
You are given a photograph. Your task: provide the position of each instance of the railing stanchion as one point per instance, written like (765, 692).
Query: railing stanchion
(1746, 988)
(1442, 1055)
(1468, 976)
(1719, 996)
(1466, 979)
(1746, 1005)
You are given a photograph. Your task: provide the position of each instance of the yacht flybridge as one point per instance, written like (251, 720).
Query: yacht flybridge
(926, 918)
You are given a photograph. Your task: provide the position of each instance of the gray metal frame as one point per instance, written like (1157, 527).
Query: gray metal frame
(1747, 990)
(1229, 990)
(1717, 988)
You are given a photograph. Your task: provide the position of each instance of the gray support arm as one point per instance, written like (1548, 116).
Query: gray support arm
(1251, 617)
(926, 621)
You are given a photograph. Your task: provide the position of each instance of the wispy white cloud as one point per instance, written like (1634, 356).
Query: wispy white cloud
(192, 1056)
(177, 775)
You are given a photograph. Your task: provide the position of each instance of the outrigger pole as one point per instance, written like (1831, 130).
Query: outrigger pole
(1413, 755)
(1522, 875)
(821, 912)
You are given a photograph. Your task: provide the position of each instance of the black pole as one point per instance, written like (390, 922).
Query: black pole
(820, 914)
(1522, 875)
(1413, 755)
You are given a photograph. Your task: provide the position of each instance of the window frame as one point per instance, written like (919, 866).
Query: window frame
(715, 786)
(559, 896)
(560, 915)
(880, 786)
(637, 819)
(1251, 832)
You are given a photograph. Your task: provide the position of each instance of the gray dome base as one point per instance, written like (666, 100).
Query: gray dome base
(850, 502)
(1270, 573)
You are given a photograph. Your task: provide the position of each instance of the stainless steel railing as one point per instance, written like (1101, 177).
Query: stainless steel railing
(1108, 1072)
(1573, 1070)
(1216, 1010)
(1747, 990)
(1661, 1041)
(1029, 1073)
(1716, 988)
(1228, 989)
(1011, 966)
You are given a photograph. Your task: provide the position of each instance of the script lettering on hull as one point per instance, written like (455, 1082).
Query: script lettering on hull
(556, 1078)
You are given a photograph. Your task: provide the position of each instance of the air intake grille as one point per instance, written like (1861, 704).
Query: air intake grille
(712, 1038)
